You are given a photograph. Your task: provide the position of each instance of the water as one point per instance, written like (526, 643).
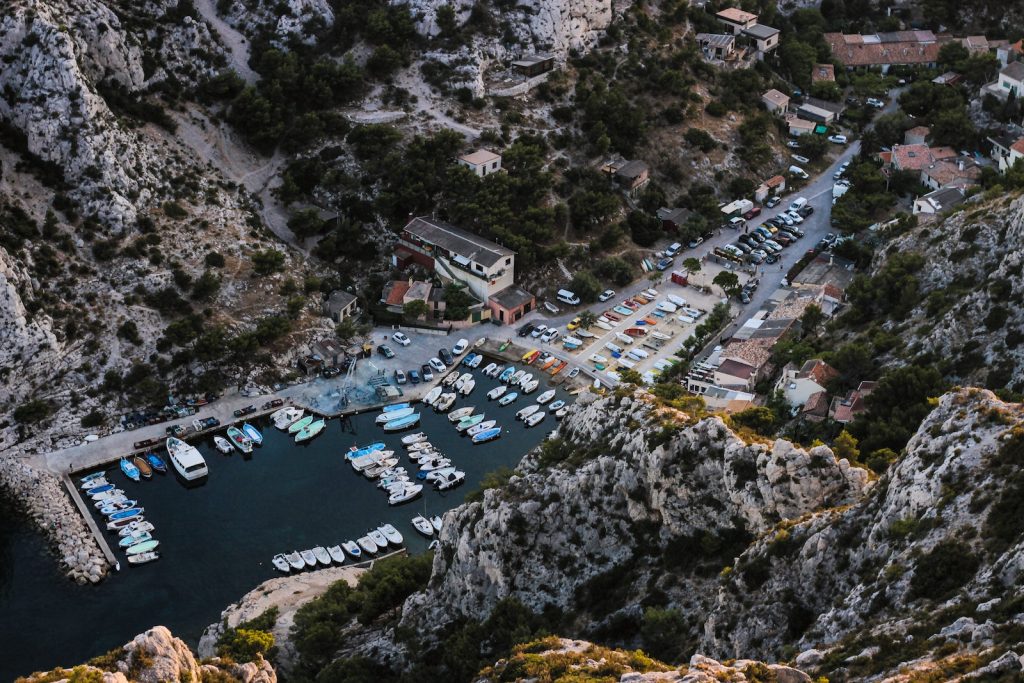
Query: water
(216, 540)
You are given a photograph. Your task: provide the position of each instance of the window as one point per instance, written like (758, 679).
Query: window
(508, 261)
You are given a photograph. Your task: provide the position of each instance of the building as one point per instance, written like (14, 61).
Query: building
(823, 73)
(844, 410)
(827, 270)
(340, 305)
(534, 65)
(481, 162)
(765, 38)
(976, 45)
(716, 46)
(798, 126)
(938, 201)
(511, 304)
(775, 102)
(1011, 80)
(1014, 153)
(672, 220)
(329, 351)
(916, 135)
(773, 187)
(1006, 51)
(918, 156)
(798, 385)
(961, 172)
(736, 19)
(949, 78)
(728, 400)
(884, 50)
(452, 253)
(632, 175)
(811, 112)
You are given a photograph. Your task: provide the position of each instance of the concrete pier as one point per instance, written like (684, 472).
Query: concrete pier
(97, 533)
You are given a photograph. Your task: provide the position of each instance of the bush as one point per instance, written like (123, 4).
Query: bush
(214, 260)
(245, 645)
(33, 411)
(174, 210)
(943, 570)
(267, 261)
(700, 139)
(93, 419)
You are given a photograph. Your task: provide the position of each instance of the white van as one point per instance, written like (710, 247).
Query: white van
(673, 249)
(797, 171)
(637, 354)
(567, 297)
(798, 203)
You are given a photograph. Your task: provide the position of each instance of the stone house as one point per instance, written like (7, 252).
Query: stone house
(775, 102)
(339, 305)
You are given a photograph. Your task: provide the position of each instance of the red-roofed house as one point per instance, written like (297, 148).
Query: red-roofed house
(736, 19)
(885, 49)
(1016, 153)
(799, 385)
(816, 407)
(916, 135)
(844, 410)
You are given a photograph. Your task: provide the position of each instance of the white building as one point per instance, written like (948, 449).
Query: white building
(482, 162)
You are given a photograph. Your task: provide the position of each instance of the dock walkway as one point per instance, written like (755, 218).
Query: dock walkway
(90, 521)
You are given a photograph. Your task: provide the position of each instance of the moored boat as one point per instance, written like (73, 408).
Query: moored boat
(573, 373)
(561, 412)
(337, 554)
(461, 381)
(281, 564)
(134, 527)
(516, 376)
(308, 557)
(450, 379)
(125, 514)
(143, 558)
(395, 406)
(535, 419)
(497, 392)
(507, 373)
(525, 379)
(97, 490)
(239, 440)
(111, 508)
(132, 539)
(144, 547)
(444, 402)
(286, 416)
(409, 492)
(118, 524)
(322, 556)
(295, 560)
(309, 432)
(87, 482)
(356, 451)
(391, 533)
(432, 396)
(468, 387)
(527, 412)
(352, 548)
(482, 427)
(143, 466)
(508, 398)
(406, 422)
(546, 396)
(156, 462)
(557, 405)
(413, 439)
(458, 414)
(531, 387)
(130, 470)
(384, 418)
(487, 435)
(222, 444)
(470, 421)
(378, 538)
(254, 434)
(423, 525)
(367, 545)
(450, 481)
(436, 522)
(489, 368)
(299, 425)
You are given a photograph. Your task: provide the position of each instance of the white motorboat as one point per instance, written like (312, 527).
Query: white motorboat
(561, 412)
(108, 495)
(531, 387)
(281, 564)
(286, 417)
(337, 554)
(460, 413)
(370, 459)
(386, 483)
(223, 445)
(482, 427)
(435, 464)
(322, 556)
(392, 415)
(450, 379)
(420, 446)
(406, 494)
(461, 381)
(624, 338)
(573, 373)
(497, 392)
(546, 396)
(475, 362)
(425, 456)
(367, 544)
(374, 471)
(603, 324)
(496, 372)
(489, 368)
(423, 525)
(377, 537)
(444, 402)
(436, 475)
(557, 405)
(518, 375)
(135, 528)
(432, 395)
(352, 548)
(508, 398)
(468, 387)
(391, 533)
(308, 557)
(535, 419)
(526, 379)
(450, 481)
(295, 560)
(187, 460)
(527, 412)
(435, 521)
(411, 440)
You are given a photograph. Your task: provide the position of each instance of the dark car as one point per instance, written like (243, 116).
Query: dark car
(248, 410)
(414, 376)
(772, 258)
(275, 403)
(331, 372)
(776, 221)
(428, 374)
(525, 329)
(446, 357)
(385, 351)
(806, 210)
(753, 213)
(211, 422)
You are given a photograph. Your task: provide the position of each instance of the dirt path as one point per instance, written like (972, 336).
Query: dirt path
(235, 42)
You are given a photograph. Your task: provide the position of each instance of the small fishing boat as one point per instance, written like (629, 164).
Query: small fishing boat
(432, 396)
(281, 564)
(420, 446)
(557, 405)
(125, 514)
(489, 368)
(130, 470)
(295, 560)
(573, 373)
(384, 418)
(402, 423)
(527, 412)
(412, 439)
(461, 382)
(667, 307)
(561, 412)
(469, 421)
(97, 490)
(308, 557)
(570, 343)
(395, 406)
(102, 502)
(337, 554)
(299, 425)
(222, 444)
(113, 507)
(625, 339)
(482, 427)
(496, 392)
(460, 413)
(134, 528)
(551, 360)
(477, 360)
(612, 317)
(378, 538)
(531, 387)
(507, 373)
(525, 379)
(546, 396)
(118, 524)
(450, 481)
(622, 310)
(530, 355)
(423, 525)
(405, 495)
(508, 398)
(369, 460)
(322, 556)
(597, 359)
(254, 434)
(558, 368)
(87, 482)
(604, 325)
(450, 379)
(286, 416)
(468, 387)
(387, 483)
(468, 360)
(535, 419)
(132, 539)
(143, 558)
(144, 547)
(310, 431)
(487, 435)
(504, 345)
(580, 332)
(636, 331)
(352, 548)
(374, 471)
(391, 533)
(659, 335)
(143, 466)
(445, 402)
(436, 522)
(435, 464)
(518, 375)
(239, 440)
(356, 451)
(156, 462)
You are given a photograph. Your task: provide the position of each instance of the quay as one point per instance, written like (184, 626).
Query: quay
(90, 521)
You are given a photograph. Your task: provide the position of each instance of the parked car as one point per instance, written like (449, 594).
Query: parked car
(799, 172)
(460, 347)
(446, 357)
(248, 410)
(605, 295)
(786, 218)
(758, 235)
(400, 377)
(745, 248)
(333, 371)
(539, 330)
(400, 339)
(875, 102)
(525, 329)
(665, 264)
(783, 239)
(797, 218)
(428, 372)
(736, 223)
(673, 249)
(806, 211)
(772, 202)
(756, 256)
(772, 244)
(573, 324)
(837, 139)
(747, 239)
(385, 351)
(414, 376)
(775, 221)
(771, 258)
(695, 242)
(753, 213)
(550, 335)
(436, 365)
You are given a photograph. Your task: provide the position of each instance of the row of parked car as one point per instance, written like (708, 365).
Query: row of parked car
(763, 243)
(444, 359)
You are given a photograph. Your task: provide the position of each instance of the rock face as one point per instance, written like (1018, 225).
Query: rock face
(156, 656)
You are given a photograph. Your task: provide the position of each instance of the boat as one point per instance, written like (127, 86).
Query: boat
(119, 498)
(489, 368)
(356, 451)
(144, 547)
(130, 470)
(423, 525)
(445, 402)
(402, 423)
(308, 557)
(557, 405)
(468, 387)
(508, 398)
(470, 421)
(482, 427)
(285, 416)
(391, 533)
(514, 379)
(552, 360)
(571, 343)
(412, 439)
(280, 564)
(295, 560)
(546, 396)
(87, 479)
(659, 335)
(625, 339)
(384, 418)
(622, 310)
(477, 360)
(596, 358)
(156, 462)
(254, 434)
(604, 325)
(117, 506)
(507, 373)
(535, 419)
(376, 470)
(527, 412)
(573, 373)
(420, 446)
(352, 548)
(525, 379)
(496, 392)
(435, 521)
(97, 490)
(125, 514)
(387, 483)
(369, 460)
(405, 495)
(322, 556)
(132, 539)
(299, 425)
(143, 466)
(561, 412)
(461, 382)
(222, 444)
(435, 464)
(531, 387)
(310, 431)
(530, 355)
(337, 554)
(118, 524)
(143, 558)
(558, 368)
(487, 435)
(667, 307)
(468, 360)
(504, 345)
(450, 481)
(450, 379)
(378, 538)
(586, 334)
(432, 395)
(460, 413)
(134, 527)
(636, 331)
(395, 406)
(239, 440)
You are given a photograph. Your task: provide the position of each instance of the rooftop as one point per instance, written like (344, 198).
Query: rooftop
(755, 352)
(1014, 70)
(458, 241)
(719, 40)
(512, 297)
(480, 157)
(900, 47)
(823, 73)
(953, 172)
(944, 197)
(818, 370)
(676, 216)
(761, 31)
(418, 291)
(736, 15)
(735, 368)
(631, 169)
(775, 97)
(1018, 146)
(919, 156)
(530, 60)
(775, 181)
(834, 107)
(816, 404)
(826, 269)
(394, 295)
(339, 299)
(794, 121)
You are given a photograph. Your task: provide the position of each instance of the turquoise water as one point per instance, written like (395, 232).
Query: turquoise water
(217, 539)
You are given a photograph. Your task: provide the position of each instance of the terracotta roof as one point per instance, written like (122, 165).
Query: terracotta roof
(735, 15)
(949, 172)
(902, 47)
(919, 156)
(396, 296)
(479, 157)
(1018, 146)
(735, 368)
(975, 43)
(823, 73)
(919, 131)
(818, 370)
(775, 181)
(755, 352)
(817, 404)
(833, 292)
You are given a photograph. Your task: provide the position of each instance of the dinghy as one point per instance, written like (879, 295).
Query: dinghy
(527, 412)
(477, 360)
(535, 419)
(531, 387)
(561, 412)
(508, 398)
(144, 547)
(352, 548)
(518, 375)
(395, 406)
(481, 427)
(299, 425)
(496, 392)
(585, 334)
(603, 325)
(308, 557)
(222, 444)
(143, 466)
(391, 533)
(488, 369)
(384, 418)
(113, 507)
(94, 484)
(280, 564)
(135, 538)
(356, 451)
(546, 396)
(432, 396)
(450, 379)
(573, 373)
(405, 495)
(337, 554)
(254, 434)
(130, 470)
(295, 560)
(369, 460)
(125, 514)
(525, 379)
(411, 440)
(507, 373)
(420, 446)
(97, 490)
(571, 343)
(102, 502)
(461, 382)
(530, 356)
(470, 421)
(445, 402)
(459, 414)
(378, 538)
(134, 528)
(436, 522)
(402, 423)
(468, 360)
(143, 558)
(558, 368)
(322, 556)
(309, 432)
(156, 462)
(117, 524)
(374, 471)
(487, 435)
(450, 481)
(468, 387)
(286, 416)
(86, 481)
(423, 525)
(557, 405)
(239, 440)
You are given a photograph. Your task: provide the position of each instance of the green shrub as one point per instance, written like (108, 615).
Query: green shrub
(245, 645)
(943, 570)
